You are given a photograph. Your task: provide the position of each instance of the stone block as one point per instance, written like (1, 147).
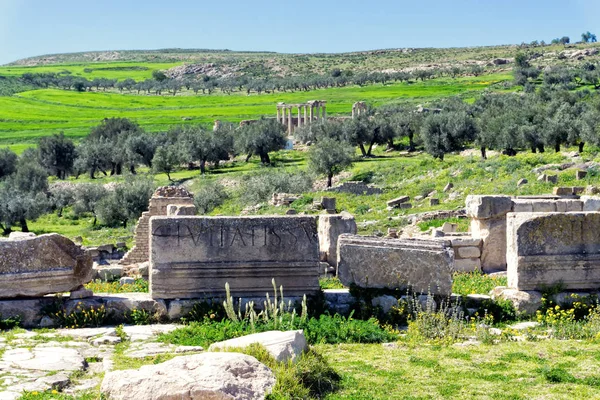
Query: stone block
(549, 248)
(397, 201)
(434, 202)
(465, 241)
(468, 252)
(492, 233)
(544, 205)
(448, 227)
(522, 182)
(385, 302)
(591, 190)
(181, 209)
(577, 190)
(580, 174)
(371, 262)
(467, 264)
(590, 203)
(121, 305)
(328, 203)
(194, 257)
(552, 178)
(330, 227)
(520, 205)
(404, 206)
(449, 186)
(488, 207)
(107, 248)
(283, 346)
(36, 266)
(524, 302)
(562, 191)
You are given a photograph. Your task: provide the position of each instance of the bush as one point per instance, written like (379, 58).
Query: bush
(337, 329)
(126, 202)
(260, 187)
(209, 196)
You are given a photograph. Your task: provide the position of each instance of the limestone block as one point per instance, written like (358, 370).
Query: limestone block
(522, 182)
(465, 242)
(545, 249)
(580, 174)
(577, 190)
(329, 229)
(544, 206)
(283, 346)
(328, 203)
(520, 205)
(492, 232)
(36, 266)
(386, 303)
(181, 209)
(590, 203)
(524, 302)
(562, 191)
(448, 227)
(217, 375)
(487, 207)
(194, 257)
(434, 202)
(467, 264)
(468, 252)
(372, 262)
(397, 201)
(552, 178)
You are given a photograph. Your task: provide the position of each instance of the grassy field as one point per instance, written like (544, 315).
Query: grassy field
(113, 70)
(30, 115)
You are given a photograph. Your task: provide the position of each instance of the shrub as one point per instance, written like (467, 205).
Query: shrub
(445, 323)
(338, 329)
(209, 196)
(81, 317)
(260, 187)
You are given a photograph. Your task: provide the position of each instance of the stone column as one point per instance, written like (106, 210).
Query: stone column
(324, 112)
(310, 116)
(278, 114)
(317, 117)
(290, 121)
(282, 115)
(299, 117)
(305, 111)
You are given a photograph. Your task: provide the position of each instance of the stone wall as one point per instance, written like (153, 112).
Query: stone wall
(161, 199)
(355, 187)
(194, 257)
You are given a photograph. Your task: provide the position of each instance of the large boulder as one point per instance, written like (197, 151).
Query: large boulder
(36, 266)
(218, 376)
(283, 346)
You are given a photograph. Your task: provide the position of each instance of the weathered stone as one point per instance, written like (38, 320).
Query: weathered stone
(21, 235)
(522, 182)
(107, 248)
(108, 273)
(488, 207)
(150, 349)
(544, 206)
(126, 280)
(419, 198)
(569, 205)
(552, 178)
(449, 186)
(577, 190)
(465, 241)
(386, 303)
(580, 174)
(41, 265)
(591, 190)
(328, 203)
(216, 376)
(404, 206)
(525, 302)
(492, 233)
(468, 252)
(291, 211)
(397, 201)
(434, 202)
(81, 293)
(562, 191)
(448, 227)
(552, 248)
(120, 305)
(370, 262)
(45, 359)
(520, 205)
(181, 209)
(467, 264)
(283, 346)
(192, 257)
(542, 178)
(590, 203)
(329, 229)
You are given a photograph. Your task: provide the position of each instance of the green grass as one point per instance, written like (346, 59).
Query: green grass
(475, 283)
(30, 115)
(482, 372)
(97, 286)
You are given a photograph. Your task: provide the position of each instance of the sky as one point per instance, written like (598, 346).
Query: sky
(37, 27)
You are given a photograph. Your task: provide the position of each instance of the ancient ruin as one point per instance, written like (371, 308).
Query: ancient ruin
(359, 108)
(311, 111)
(162, 198)
(194, 257)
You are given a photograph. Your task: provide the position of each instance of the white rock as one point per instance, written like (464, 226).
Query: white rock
(283, 346)
(215, 376)
(45, 359)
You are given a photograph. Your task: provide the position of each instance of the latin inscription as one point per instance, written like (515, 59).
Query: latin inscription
(264, 235)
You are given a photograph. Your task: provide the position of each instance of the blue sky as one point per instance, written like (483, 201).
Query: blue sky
(36, 27)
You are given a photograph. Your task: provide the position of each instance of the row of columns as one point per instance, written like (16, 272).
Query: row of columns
(358, 108)
(315, 110)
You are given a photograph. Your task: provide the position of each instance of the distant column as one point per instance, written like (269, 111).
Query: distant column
(290, 121)
(299, 116)
(305, 111)
(278, 114)
(318, 116)
(353, 110)
(310, 115)
(324, 112)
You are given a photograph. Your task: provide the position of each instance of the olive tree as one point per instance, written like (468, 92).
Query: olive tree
(329, 157)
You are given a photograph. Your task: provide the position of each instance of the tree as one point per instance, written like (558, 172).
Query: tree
(209, 196)
(261, 138)
(587, 37)
(8, 162)
(61, 196)
(476, 70)
(330, 157)
(93, 156)
(126, 202)
(446, 132)
(86, 198)
(57, 154)
(166, 159)
(159, 76)
(115, 131)
(564, 40)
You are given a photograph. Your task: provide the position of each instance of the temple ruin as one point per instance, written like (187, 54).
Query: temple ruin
(314, 110)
